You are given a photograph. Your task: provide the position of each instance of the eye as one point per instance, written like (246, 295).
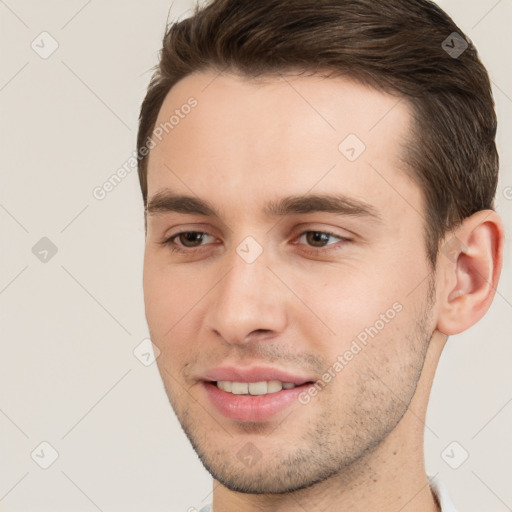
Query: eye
(318, 238)
(315, 241)
(186, 239)
(319, 241)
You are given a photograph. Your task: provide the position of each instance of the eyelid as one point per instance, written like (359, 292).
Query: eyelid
(343, 233)
(325, 250)
(324, 232)
(170, 240)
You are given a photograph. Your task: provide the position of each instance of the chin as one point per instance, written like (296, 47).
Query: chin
(267, 480)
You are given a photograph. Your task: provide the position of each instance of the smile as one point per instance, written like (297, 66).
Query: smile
(254, 388)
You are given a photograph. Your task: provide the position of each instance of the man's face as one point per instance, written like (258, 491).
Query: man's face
(306, 291)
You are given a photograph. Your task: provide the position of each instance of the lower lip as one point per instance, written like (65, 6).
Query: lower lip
(249, 407)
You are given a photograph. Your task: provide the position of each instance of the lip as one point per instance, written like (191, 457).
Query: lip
(248, 408)
(251, 408)
(254, 374)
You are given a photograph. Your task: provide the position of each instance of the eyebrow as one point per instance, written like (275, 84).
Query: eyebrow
(166, 201)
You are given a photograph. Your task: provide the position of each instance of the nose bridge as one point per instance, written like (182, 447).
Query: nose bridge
(247, 298)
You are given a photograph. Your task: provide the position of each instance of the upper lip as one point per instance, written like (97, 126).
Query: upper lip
(253, 374)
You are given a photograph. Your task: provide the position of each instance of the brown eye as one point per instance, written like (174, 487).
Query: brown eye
(318, 238)
(186, 242)
(191, 238)
(322, 242)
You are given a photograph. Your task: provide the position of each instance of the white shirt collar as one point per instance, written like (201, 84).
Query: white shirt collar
(442, 495)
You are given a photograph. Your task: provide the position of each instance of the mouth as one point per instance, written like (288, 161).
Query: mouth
(254, 388)
(238, 396)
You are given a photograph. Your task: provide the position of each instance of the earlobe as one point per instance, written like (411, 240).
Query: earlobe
(470, 263)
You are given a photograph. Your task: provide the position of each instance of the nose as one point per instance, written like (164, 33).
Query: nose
(248, 304)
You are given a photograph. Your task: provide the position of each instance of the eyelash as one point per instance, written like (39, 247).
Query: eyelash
(169, 242)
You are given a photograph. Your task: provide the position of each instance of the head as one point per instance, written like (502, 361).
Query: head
(331, 169)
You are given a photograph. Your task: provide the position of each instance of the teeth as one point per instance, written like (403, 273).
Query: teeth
(225, 385)
(253, 388)
(257, 388)
(273, 386)
(240, 388)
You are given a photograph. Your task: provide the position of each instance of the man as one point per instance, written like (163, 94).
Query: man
(318, 178)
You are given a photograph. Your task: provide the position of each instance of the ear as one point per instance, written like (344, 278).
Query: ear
(468, 269)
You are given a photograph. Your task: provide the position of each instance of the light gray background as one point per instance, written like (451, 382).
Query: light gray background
(68, 375)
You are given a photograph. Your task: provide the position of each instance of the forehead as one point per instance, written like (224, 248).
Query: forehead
(252, 139)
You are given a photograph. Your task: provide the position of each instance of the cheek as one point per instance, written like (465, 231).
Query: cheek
(345, 301)
(168, 294)
(361, 304)
(169, 305)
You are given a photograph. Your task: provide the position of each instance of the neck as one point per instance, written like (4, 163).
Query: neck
(389, 478)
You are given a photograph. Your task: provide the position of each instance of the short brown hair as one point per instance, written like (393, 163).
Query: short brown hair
(398, 46)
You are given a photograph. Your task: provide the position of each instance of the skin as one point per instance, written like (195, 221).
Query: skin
(357, 444)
